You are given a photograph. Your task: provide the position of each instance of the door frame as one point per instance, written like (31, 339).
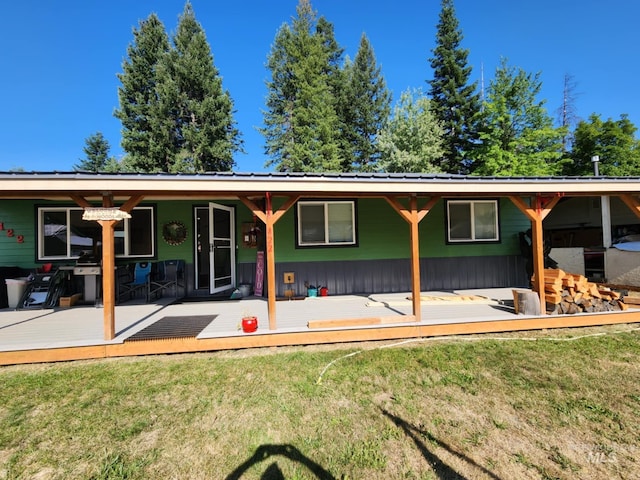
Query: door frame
(232, 247)
(205, 234)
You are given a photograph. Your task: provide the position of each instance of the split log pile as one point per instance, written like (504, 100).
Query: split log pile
(568, 293)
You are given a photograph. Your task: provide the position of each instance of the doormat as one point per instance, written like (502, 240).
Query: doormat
(173, 327)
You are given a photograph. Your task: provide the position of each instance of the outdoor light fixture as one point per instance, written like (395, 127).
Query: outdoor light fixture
(595, 160)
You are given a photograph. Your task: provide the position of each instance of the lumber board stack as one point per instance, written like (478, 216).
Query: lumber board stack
(569, 293)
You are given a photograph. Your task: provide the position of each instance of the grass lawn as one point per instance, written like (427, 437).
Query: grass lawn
(512, 406)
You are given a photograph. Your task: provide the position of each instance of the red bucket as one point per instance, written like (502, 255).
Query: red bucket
(324, 291)
(249, 324)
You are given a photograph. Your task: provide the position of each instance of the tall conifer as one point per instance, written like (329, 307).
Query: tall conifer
(205, 130)
(455, 100)
(301, 123)
(367, 108)
(176, 117)
(146, 147)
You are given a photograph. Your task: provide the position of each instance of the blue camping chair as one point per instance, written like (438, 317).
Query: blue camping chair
(139, 283)
(169, 274)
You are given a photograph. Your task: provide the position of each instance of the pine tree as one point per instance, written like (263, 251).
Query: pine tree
(96, 150)
(148, 147)
(301, 123)
(201, 110)
(455, 100)
(411, 141)
(367, 107)
(175, 115)
(517, 135)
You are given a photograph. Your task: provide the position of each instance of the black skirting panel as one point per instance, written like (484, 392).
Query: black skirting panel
(387, 276)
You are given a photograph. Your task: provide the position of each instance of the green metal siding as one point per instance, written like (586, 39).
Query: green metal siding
(17, 215)
(383, 234)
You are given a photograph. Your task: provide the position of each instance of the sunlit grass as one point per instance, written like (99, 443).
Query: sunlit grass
(485, 408)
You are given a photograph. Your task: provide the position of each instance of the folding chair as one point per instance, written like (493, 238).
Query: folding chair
(168, 274)
(140, 281)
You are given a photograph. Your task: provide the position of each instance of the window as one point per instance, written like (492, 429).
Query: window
(324, 223)
(472, 221)
(63, 234)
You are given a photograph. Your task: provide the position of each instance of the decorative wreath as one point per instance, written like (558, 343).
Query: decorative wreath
(174, 233)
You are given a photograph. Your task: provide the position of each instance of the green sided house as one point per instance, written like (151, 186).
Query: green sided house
(347, 233)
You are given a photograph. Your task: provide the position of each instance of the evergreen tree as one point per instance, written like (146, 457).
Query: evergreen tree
(149, 148)
(175, 115)
(202, 112)
(614, 141)
(517, 134)
(301, 123)
(367, 107)
(455, 100)
(412, 140)
(96, 150)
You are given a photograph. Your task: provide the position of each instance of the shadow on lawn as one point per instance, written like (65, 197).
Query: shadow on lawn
(441, 469)
(273, 472)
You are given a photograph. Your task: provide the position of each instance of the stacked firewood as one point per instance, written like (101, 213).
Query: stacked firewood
(568, 293)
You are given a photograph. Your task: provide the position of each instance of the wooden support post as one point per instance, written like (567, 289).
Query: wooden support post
(271, 263)
(537, 243)
(269, 218)
(108, 278)
(415, 258)
(537, 213)
(413, 216)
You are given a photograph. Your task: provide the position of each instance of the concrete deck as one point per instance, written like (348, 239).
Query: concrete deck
(82, 325)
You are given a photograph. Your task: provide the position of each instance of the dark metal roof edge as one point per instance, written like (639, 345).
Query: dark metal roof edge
(364, 177)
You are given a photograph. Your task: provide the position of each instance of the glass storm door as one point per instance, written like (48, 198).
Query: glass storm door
(222, 248)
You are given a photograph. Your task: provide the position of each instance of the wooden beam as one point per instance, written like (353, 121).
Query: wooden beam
(108, 278)
(405, 212)
(257, 211)
(541, 208)
(80, 200)
(399, 208)
(107, 200)
(356, 322)
(427, 207)
(631, 202)
(131, 203)
(285, 206)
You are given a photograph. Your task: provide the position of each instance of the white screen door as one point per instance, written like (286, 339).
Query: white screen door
(222, 248)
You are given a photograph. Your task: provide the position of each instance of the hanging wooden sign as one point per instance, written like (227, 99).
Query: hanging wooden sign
(257, 289)
(104, 213)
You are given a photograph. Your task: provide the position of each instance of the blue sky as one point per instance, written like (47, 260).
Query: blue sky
(60, 59)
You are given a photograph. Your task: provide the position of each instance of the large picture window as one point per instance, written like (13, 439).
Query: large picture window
(63, 234)
(472, 221)
(326, 223)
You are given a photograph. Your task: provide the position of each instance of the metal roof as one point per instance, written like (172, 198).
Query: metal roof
(23, 183)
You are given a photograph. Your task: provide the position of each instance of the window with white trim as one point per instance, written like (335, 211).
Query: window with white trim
(472, 221)
(326, 223)
(63, 234)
